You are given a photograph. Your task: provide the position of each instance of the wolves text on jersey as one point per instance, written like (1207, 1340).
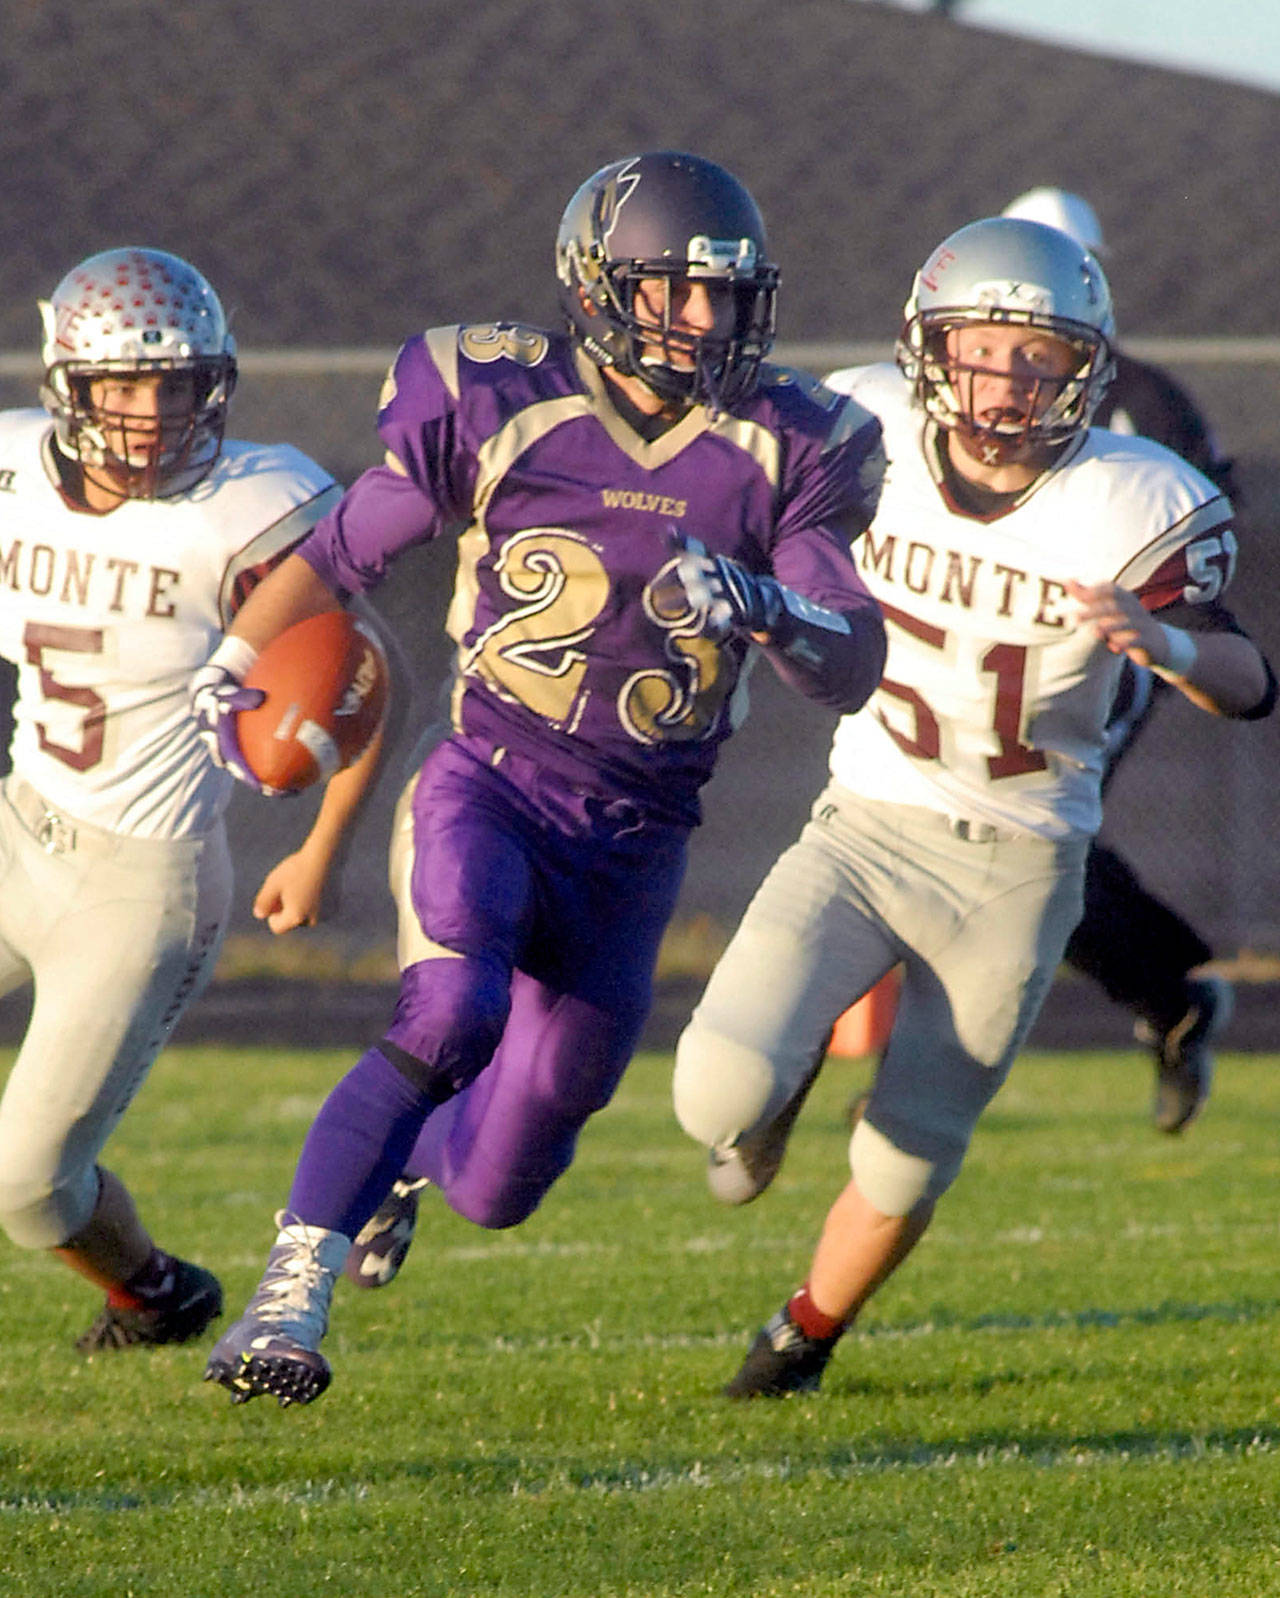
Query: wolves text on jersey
(639, 499)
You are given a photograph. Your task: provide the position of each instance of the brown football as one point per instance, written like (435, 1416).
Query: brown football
(326, 683)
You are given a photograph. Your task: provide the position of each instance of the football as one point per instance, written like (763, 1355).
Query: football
(326, 682)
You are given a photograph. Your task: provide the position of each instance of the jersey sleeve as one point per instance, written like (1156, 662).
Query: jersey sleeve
(1193, 561)
(250, 563)
(834, 655)
(423, 486)
(831, 489)
(1190, 550)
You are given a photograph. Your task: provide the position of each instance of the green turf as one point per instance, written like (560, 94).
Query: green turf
(1072, 1389)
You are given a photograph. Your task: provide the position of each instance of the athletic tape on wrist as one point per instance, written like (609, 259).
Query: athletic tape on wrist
(1182, 653)
(235, 655)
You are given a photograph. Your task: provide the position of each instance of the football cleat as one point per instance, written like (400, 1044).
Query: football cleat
(740, 1173)
(188, 1300)
(273, 1349)
(381, 1245)
(1184, 1058)
(782, 1360)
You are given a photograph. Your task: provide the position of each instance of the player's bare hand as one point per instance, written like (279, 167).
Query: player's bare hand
(290, 894)
(1117, 617)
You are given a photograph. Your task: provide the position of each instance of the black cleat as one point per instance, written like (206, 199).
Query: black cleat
(275, 1367)
(178, 1313)
(1184, 1058)
(782, 1360)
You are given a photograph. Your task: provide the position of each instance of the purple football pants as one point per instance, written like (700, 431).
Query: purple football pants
(553, 903)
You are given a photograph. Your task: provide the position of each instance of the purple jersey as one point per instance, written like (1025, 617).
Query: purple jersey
(571, 650)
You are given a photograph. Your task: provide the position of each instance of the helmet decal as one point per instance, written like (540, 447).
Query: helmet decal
(935, 266)
(1007, 295)
(614, 193)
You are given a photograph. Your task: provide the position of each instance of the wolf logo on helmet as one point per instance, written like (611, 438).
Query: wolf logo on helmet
(613, 195)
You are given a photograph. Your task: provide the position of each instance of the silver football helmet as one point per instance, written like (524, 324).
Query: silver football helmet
(132, 313)
(1059, 208)
(1010, 271)
(668, 215)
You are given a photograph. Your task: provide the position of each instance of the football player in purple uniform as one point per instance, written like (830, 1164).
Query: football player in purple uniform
(643, 504)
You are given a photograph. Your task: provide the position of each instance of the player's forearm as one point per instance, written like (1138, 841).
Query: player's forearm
(837, 669)
(289, 594)
(1226, 676)
(344, 793)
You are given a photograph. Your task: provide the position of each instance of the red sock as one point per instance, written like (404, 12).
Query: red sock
(810, 1319)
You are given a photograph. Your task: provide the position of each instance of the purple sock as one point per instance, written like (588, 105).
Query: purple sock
(357, 1146)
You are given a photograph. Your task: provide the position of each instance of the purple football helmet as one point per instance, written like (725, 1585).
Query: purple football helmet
(668, 215)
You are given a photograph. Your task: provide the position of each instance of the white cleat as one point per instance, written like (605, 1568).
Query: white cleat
(273, 1349)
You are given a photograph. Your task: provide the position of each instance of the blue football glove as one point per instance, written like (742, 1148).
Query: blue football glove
(216, 697)
(730, 598)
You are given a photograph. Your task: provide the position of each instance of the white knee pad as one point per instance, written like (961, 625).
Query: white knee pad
(35, 1218)
(890, 1178)
(721, 1088)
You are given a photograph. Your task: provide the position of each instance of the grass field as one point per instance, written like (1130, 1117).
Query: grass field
(1072, 1388)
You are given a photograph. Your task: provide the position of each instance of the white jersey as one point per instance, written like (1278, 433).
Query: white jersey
(994, 701)
(107, 617)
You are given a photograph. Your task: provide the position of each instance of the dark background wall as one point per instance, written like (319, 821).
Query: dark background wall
(346, 169)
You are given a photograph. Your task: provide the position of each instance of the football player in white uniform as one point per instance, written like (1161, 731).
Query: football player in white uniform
(130, 530)
(1019, 557)
(1179, 1009)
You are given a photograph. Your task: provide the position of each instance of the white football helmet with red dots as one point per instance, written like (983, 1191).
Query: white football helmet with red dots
(134, 312)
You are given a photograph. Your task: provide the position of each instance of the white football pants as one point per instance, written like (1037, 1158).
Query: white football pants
(979, 927)
(118, 935)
